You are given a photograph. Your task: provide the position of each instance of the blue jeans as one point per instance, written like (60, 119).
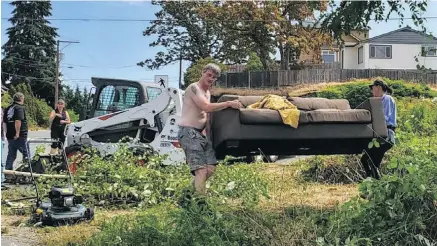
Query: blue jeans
(20, 144)
(3, 162)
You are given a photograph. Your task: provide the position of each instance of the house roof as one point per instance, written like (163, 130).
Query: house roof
(405, 35)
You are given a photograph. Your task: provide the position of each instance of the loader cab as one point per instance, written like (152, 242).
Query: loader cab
(112, 95)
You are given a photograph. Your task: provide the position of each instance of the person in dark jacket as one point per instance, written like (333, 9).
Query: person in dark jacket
(16, 129)
(372, 157)
(59, 118)
(3, 137)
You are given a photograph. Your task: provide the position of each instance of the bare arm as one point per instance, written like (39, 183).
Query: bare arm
(204, 104)
(52, 115)
(67, 121)
(17, 128)
(19, 116)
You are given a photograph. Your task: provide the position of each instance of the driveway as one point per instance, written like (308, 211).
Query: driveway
(32, 135)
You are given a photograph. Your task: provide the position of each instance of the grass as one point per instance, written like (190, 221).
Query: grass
(66, 235)
(294, 214)
(286, 190)
(290, 197)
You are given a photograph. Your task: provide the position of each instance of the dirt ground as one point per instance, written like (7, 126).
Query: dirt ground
(14, 231)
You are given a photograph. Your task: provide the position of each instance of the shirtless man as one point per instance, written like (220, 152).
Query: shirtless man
(196, 104)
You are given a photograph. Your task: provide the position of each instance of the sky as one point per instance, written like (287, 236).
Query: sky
(112, 49)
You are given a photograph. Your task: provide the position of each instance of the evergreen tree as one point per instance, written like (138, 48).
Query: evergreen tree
(67, 94)
(29, 55)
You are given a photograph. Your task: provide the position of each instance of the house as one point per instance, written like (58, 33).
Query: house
(330, 54)
(397, 49)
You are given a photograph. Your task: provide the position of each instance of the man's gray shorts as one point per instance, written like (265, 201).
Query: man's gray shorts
(198, 149)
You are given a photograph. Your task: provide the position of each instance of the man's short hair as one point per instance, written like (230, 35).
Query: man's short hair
(18, 97)
(213, 68)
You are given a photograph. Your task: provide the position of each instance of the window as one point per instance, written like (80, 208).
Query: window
(429, 50)
(380, 51)
(360, 55)
(153, 92)
(328, 56)
(117, 98)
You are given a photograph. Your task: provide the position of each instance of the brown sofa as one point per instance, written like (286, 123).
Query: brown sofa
(326, 127)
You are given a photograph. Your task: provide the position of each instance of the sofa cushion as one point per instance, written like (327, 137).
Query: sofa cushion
(245, 100)
(307, 104)
(336, 116)
(268, 116)
(260, 116)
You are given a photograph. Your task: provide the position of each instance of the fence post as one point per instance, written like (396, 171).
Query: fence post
(277, 78)
(248, 78)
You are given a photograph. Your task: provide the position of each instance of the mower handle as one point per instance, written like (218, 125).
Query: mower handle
(41, 140)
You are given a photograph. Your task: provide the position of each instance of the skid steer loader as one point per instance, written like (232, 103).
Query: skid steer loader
(146, 112)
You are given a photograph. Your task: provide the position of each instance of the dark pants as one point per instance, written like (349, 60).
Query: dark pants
(19, 144)
(57, 133)
(372, 159)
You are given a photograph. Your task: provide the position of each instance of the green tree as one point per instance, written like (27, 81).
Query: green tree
(194, 72)
(184, 35)
(74, 98)
(254, 63)
(356, 15)
(244, 28)
(29, 54)
(264, 26)
(67, 94)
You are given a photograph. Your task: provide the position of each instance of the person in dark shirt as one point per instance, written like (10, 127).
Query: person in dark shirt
(16, 130)
(59, 118)
(3, 147)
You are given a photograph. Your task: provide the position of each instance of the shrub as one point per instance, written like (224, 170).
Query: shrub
(333, 169)
(37, 110)
(123, 180)
(417, 120)
(6, 100)
(358, 92)
(73, 116)
(166, 225)
(401, 208)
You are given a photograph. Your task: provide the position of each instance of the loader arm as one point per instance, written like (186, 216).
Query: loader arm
(148, 114)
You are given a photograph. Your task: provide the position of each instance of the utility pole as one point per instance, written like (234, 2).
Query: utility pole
(180, 71)
(57, 75)
(57, 67)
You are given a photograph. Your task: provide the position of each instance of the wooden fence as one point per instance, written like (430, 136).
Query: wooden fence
(312, 76)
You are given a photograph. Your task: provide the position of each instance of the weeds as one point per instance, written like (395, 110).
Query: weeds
(311, 202)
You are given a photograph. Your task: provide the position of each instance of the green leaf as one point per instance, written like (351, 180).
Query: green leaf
(377, 144)
(370, 145)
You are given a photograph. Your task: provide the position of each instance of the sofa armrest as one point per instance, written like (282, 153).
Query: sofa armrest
(374, 105)
(224, 124)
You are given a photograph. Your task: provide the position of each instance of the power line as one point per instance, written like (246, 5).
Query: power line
(169, 21)
(33, 63)
(36, 78)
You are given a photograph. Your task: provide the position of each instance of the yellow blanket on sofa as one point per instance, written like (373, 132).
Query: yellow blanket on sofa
(289, 113)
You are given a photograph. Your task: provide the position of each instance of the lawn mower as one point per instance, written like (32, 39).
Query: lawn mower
(63, 206)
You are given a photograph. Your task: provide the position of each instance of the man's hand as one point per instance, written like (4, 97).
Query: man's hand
(235, 104)
(16, 137)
